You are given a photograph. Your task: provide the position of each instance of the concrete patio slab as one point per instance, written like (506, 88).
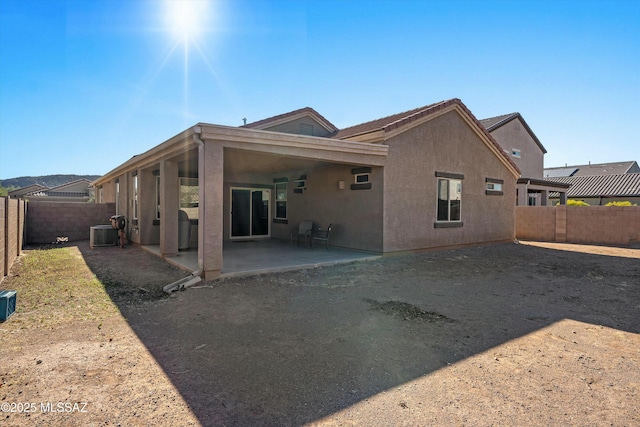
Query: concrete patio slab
(245, 258)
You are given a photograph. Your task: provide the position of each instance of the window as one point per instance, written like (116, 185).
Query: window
(117, 197)
(189, 196)
(135, 197)
(493, 187)
(100, 195)
(361, 178)
(449, 199)
(281, 200)
(515, 153)
(157, 197)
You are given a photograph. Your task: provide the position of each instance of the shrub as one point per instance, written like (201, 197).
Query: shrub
(625, 203)
(572, 202)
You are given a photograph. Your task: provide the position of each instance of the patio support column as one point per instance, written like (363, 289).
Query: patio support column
(523, 195)
(169, 206)
(563, 198)
(211, 229)
(544, 198)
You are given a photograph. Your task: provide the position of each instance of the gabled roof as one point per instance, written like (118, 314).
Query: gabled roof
(560, 172)
(292, 115)
(66, 185)
(393, 121)
(494, 123)
(397, 121)
(621, 185)
(19, 192)
(614, 168)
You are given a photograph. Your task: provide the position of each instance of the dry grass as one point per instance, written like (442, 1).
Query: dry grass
(54, 287)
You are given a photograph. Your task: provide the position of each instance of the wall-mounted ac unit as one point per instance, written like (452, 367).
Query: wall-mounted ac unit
(102, 235)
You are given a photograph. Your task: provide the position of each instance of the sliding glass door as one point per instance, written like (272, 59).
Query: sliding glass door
(250, 213)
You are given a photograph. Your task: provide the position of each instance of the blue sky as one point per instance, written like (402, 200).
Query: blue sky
(85, 85)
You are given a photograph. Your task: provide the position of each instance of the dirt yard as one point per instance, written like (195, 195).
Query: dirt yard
(512, 334)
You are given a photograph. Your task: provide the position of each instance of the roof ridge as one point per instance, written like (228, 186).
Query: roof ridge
(404, 114)
(505, 118)
(288, 114)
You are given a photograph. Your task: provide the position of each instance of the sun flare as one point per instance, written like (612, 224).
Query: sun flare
(186, 18)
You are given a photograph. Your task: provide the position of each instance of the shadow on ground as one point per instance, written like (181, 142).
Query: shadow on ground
(292, 348)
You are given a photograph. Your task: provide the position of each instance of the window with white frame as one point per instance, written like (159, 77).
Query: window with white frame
(157, 197)
(493, 187)
(449, 198)
(281, 200)
(135, 197)
(117, 197)
(361, 178)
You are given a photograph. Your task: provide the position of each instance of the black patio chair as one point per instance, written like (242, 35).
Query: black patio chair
(305, 230)
(322, 236)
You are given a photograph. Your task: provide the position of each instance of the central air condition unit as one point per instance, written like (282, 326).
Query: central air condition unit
(102, 235)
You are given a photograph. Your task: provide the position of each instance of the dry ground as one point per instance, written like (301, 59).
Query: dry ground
(513, 334)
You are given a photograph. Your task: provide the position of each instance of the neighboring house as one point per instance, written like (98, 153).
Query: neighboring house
(615, 168)
(19, 193)
(602, 189)
(517, 139)
(599, 183)
(425, 178)
(78, 191)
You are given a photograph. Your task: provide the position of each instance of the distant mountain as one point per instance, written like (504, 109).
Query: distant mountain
(46, 180)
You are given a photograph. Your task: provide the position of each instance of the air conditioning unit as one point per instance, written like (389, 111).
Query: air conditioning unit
(102, 235)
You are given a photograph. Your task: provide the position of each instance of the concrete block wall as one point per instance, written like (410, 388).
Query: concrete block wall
(536, 223)
(611, 225)
(12, 215)
(600, 225)
(46, 221)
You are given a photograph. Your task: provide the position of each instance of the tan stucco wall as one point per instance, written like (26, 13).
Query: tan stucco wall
(355, 214)
(514, 135)
(445, 144)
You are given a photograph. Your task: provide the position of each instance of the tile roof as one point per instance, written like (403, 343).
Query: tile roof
(393, 121)
(614, 168)
(494, 123)
(398, 120)
(621, 185)
(263, 122)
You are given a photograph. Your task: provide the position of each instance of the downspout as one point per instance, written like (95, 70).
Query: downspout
(195, 277)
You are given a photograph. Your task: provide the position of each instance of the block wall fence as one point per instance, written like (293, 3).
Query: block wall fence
(600, 225)
(46, 221)
(12, 220)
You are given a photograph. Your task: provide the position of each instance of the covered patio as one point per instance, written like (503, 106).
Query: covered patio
(253, 257)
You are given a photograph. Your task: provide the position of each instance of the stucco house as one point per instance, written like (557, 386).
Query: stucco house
(78, 191)
(428, 177)
(524, 148)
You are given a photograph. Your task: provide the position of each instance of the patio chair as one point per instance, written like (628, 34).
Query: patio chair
(305, 229)
(322, 236)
